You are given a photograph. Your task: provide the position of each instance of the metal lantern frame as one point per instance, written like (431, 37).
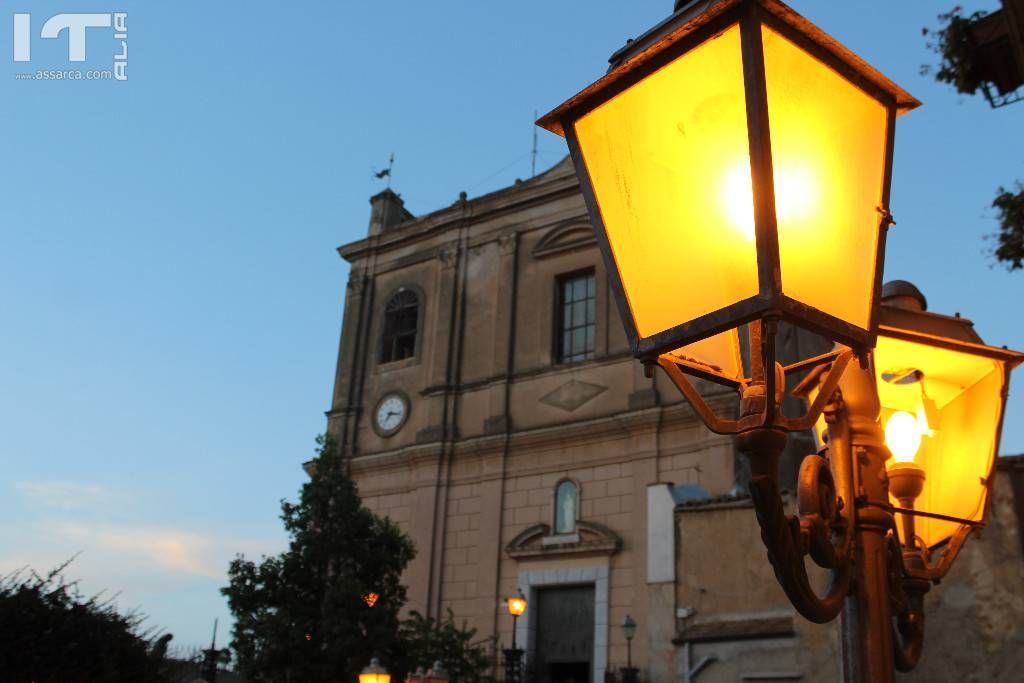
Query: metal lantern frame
(681, 33)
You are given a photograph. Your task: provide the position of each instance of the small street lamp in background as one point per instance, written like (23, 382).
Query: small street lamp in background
(629, 674)
(437, 674)
(516, 606)
(374, 673)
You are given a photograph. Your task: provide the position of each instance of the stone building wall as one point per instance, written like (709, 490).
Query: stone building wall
(974, 619)
(496, 422)
(730, 612)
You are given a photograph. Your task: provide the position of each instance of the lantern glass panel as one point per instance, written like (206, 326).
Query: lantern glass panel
(720, 355)
(669, 163)
(955, 400)
(828, 140)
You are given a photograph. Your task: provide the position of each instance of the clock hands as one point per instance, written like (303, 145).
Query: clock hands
(391, 413)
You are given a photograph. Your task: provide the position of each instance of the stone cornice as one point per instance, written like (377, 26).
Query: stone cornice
(536, 371)
(502, 202)
(580, 432)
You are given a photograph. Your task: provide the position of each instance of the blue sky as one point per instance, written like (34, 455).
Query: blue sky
(169, 286)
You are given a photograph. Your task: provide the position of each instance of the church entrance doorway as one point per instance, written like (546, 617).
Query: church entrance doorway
(564, 646)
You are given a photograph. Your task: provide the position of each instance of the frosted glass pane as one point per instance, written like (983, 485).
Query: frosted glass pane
(958, 441)
(719, 355)
(828, 153)
(668, 159)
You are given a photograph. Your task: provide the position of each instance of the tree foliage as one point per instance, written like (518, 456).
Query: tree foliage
(50, 633)
(1010, 238)
(424, 640)
(304, 615)
(952, 42)
(957, 67)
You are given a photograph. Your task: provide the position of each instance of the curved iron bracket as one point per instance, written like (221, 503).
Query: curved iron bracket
(908, 583)
(823, 528)
(765, 413)
(820, 530)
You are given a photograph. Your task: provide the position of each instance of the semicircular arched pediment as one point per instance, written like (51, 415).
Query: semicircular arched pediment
(589, 538)
(565, 238)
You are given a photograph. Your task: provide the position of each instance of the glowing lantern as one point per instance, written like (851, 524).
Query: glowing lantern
(732, 152)
(942, 394)
(516, 605)
(374, 673)
(371, 599)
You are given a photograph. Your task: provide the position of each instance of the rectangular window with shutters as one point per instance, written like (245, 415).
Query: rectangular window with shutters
(576, 317)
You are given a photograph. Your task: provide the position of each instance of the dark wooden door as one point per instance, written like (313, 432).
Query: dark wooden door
(564, 646)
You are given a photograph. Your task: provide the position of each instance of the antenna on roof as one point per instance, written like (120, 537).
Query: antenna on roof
(533, 164)
(208, 669)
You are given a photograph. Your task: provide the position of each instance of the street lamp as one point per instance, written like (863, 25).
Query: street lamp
(516, 606)
(374, 673)
(738, 187)
(628, 631)
(723, 205)
(942, 395)
(937, 396)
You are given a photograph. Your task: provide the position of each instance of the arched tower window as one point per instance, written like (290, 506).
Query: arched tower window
(401, 318)
(567, 498)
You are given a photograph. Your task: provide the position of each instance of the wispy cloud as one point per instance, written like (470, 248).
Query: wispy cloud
(67, 495)
(170, 549)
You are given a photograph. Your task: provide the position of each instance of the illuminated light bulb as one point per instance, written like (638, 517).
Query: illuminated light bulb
(903, 436)
(795, 193)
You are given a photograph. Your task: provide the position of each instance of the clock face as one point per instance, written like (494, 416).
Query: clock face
(391, 413)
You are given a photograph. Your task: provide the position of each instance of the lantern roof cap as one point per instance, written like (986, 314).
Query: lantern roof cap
(895, 289)
(640, 53)
(374, 667)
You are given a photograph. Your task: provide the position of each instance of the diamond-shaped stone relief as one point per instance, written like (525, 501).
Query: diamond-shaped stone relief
(572, 395)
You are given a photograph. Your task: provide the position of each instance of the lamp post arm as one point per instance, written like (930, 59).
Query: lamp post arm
(908, 631)
(789, 538)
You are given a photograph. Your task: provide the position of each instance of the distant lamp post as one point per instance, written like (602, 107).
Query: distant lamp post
(437, 673)
(374, 673)
(736, 165)
(516, 607)
(629, 675)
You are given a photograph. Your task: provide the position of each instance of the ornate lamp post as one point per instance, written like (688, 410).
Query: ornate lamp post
(724, 205)
(516, 606)
(629, 675)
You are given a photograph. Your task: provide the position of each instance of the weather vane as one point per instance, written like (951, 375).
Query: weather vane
(386, 173)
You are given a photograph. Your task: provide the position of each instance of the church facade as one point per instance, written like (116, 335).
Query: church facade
(486, 401)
